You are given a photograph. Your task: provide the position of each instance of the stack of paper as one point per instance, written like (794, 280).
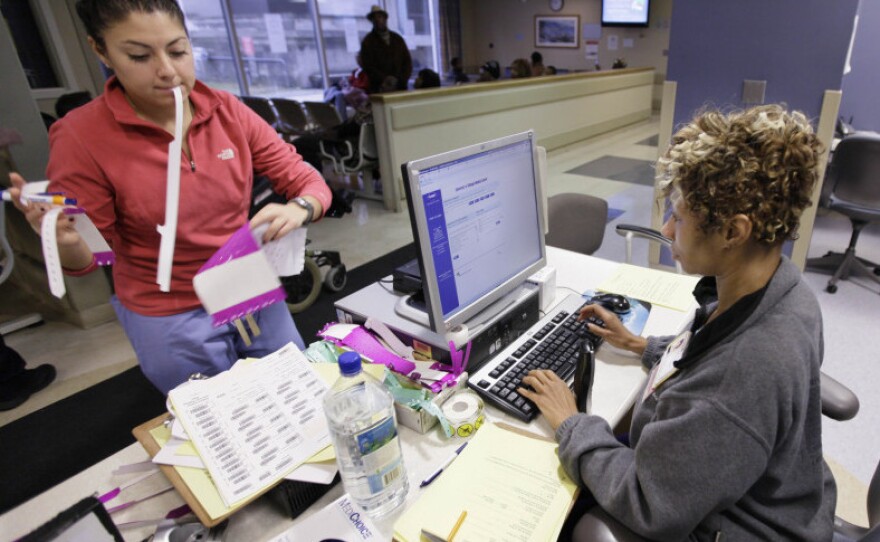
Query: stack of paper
(511, 486)
(179, 451)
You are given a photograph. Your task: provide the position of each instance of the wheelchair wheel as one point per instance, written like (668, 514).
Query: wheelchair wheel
(335, 279)
(303, 289)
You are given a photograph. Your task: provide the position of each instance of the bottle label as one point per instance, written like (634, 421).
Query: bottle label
(380, 453)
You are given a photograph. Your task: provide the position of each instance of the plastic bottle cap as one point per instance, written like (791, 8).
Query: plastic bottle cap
(350, 363)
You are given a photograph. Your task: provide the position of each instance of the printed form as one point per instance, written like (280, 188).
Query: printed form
(256, 422)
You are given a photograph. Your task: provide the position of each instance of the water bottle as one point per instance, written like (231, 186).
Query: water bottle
(363, 427)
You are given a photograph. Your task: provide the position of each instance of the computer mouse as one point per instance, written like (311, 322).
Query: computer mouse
(614, 302)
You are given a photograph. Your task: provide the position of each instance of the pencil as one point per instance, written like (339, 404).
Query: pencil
(457, 526)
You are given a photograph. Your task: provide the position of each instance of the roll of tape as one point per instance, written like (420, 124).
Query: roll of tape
(464, 412)
(458, 335)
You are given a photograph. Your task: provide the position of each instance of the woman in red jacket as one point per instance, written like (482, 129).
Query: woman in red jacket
(112, 154)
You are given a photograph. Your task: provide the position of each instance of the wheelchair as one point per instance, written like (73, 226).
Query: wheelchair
(303, 289)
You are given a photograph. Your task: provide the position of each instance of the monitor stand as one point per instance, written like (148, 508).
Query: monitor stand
(414, 308)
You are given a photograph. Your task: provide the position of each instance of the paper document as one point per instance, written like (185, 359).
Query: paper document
(255, 423)
(340, 520)
(512, 487)
(662, 288)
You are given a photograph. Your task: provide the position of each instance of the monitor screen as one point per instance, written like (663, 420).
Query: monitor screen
(625, 12)
(477, 219)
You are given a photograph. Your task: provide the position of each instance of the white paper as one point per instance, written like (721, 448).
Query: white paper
(275, 33)
(316, 473)
(168, 455)
(287, 255)
(612, 42)
(256, 423)
(340, 520)
(252, 274)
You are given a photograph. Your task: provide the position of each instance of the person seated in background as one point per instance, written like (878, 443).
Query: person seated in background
(490, 71)
(550, 70)
(520, 69)
(537, 64)
(457, 74)
(359, 78)
(427, 78)
(725, 439)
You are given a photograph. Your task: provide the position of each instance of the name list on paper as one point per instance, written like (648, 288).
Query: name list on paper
(256, 422)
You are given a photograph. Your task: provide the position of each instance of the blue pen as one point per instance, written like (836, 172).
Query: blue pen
(445, 464)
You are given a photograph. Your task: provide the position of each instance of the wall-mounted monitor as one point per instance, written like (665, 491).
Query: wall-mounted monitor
(477, 218)
(625, 12)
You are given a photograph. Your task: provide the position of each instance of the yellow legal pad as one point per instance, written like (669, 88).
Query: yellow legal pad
(511, 485)
(658, 287)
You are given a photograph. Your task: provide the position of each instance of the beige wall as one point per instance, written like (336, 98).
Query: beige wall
(503, 30)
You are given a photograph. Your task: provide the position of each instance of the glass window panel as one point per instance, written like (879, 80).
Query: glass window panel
(279, 48)
(415, 21)
(343, 24)
(210, 42)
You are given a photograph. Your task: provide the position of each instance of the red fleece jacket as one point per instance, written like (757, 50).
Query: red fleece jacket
(115, 164)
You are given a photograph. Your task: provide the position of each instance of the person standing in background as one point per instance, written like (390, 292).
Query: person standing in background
(384, 53)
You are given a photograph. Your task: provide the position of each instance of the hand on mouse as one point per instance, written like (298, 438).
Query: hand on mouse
(614, 332)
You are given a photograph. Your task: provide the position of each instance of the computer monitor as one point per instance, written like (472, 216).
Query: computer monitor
(477, 219)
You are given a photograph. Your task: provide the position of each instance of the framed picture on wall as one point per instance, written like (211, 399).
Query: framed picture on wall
(556, 30)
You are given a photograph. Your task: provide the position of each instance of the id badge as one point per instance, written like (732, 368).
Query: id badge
(674, 352)
(665, 368)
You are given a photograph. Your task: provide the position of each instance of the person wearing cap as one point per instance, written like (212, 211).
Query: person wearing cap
(384, 53)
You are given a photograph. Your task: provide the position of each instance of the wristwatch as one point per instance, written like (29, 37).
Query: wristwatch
(308, 207)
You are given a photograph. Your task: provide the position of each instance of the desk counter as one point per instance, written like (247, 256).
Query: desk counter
(618, 380)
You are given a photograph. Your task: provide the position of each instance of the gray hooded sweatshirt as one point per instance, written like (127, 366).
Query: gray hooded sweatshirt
(731, 443)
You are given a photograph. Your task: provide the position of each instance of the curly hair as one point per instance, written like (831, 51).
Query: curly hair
(760, 162)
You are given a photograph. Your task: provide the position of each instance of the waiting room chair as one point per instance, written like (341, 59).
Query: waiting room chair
(576, 222)
(323, 117)
(352, 156)
(263, 108)
(292, 120)
(855, 176)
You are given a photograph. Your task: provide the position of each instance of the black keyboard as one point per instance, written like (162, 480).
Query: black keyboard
(551, 343)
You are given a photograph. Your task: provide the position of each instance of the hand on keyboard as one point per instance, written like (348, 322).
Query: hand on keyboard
(610, 328)
(551, 395)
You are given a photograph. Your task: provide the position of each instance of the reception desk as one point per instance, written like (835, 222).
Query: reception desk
(561, 109)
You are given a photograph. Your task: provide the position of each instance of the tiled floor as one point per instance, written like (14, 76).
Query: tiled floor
(84, 357)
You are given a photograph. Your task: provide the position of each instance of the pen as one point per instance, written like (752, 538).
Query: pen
(54, 199)
(445, 464)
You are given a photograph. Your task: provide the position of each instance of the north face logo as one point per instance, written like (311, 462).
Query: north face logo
(226, 154)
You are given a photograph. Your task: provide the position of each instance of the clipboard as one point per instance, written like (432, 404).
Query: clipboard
(142, 434)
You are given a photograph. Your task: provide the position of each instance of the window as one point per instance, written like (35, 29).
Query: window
(278, 51)
(34, 32)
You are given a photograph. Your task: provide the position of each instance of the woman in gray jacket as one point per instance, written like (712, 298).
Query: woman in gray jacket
(725, 441)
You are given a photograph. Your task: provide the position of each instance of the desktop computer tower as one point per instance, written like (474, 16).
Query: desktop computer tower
(378, 301)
